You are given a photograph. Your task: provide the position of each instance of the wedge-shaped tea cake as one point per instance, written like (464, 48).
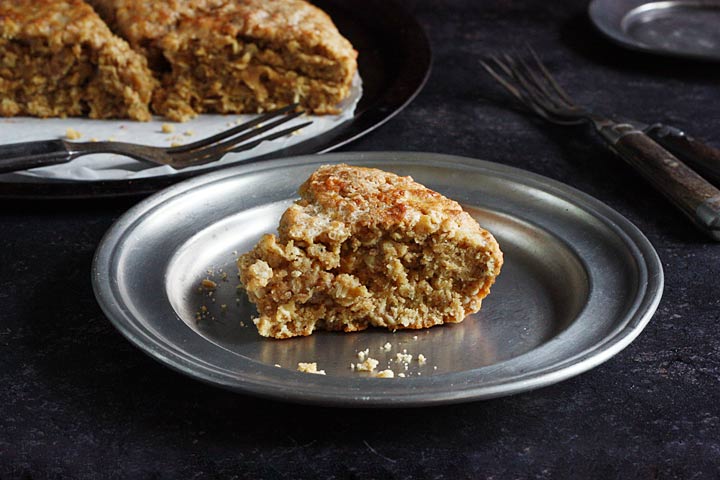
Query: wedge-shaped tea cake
(59, 59)
(363, 247)
(236, 56)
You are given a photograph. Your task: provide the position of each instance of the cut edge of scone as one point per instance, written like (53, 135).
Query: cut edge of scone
(365, 248)
(60, 60)
(248, 58)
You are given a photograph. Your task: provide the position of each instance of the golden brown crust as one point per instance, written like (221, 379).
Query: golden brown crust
(144, 23)
(60, 59)
(365, 247)
(237, 56)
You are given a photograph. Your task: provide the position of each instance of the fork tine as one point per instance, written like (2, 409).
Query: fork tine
(518, 87)
(227, 145)
(233, 131)
(550, 78)
(517, 93)
(272, 136)
(211, 157)
(509, 87)
(531, 96)
(540, 89)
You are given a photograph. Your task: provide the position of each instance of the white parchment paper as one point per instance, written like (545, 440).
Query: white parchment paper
(116, 167)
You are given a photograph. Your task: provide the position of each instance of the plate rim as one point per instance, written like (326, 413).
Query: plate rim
(612, 31)
(402, 90)
(644, 304)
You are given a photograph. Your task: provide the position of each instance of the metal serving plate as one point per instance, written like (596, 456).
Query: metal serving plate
(578, 285)
(683, 28)
(394, 59)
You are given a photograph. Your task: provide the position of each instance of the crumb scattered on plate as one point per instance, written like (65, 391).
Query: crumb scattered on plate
(309, 368)
(368, 365)
(72, 134)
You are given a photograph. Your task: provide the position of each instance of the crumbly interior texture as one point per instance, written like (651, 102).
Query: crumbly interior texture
(363, 247)
(58, 59)
(236, 56)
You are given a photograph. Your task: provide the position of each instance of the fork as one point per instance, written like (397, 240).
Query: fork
(534, 86)
(26, 155)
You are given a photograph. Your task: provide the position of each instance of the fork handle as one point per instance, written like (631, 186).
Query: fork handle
(691, 193)
(23, 156)
(701, 156)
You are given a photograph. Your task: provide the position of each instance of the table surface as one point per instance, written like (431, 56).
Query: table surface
(79, 401)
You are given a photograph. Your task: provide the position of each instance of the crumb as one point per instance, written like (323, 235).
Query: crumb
(176, 144)
(352, 367)
(208, 284)
(188, 133)
(223, 277)
(401, 375)
(72, 134)
(385, 374)
(94, 139)
(310, 368)
(386, 348)
(403, 357)
(362, 355)
(167, 128)
(278, 365)
(367, 366)
(421, 359)
(223, 308)
(414, 337)
(434, 367)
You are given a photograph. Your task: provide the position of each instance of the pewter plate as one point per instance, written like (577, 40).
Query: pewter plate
(682, 28)
(578, 285)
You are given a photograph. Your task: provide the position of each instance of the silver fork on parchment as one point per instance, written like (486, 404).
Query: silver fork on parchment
(26, 155)
(532, 84)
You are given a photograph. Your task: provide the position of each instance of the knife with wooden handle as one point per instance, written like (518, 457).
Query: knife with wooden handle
(703, 158)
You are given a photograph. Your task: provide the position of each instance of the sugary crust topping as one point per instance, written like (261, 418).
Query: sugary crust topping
(275, 21)
(142, 22)
(372, 201)
(279, 22)
(60, 22)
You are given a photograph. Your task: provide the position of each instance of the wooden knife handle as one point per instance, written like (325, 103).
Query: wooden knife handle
(688, 191)
(701, 156)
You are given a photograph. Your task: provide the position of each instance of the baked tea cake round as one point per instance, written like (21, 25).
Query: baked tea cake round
(363, 247)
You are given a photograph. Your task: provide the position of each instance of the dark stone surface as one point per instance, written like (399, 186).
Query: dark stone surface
(78, 401)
